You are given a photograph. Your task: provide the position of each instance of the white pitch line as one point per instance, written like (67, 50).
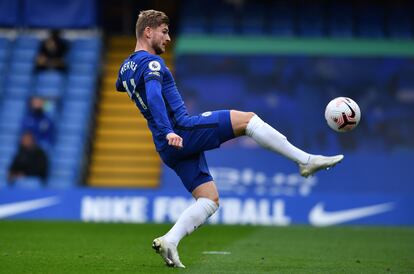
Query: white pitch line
(216, 252)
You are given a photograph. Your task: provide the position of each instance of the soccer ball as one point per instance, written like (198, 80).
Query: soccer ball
(342, 114)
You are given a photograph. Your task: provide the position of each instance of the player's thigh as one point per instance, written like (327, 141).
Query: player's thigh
(239, 121)
(207, 131)
(192, 170)
(207, 190)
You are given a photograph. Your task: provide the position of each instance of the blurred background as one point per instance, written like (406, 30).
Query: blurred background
(72, 148)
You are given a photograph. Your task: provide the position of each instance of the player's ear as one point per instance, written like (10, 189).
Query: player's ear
(148, 32)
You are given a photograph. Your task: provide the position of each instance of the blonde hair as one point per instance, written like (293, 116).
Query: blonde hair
(150, 18)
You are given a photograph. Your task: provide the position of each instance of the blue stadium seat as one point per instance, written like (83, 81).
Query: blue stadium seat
(193, 20)
(7, 150)
(85, 56)
(17, 80)
(65, 163)
(4, 43)
(78, 93)
(4, 56)
(18, 92)
(3, 65)
(11, 114)
(12, 107)
(72, 128)
(56, 182)
(69, 140)
(22, 68)
(24, 55)
(28, 183)
(253, 18)
(62, 151)
(260, 65)
(193, 24)
(85, 81)
(84, 68)
(23, 42)
(370, 21)
(311, 20)
(2, 84)
(400, 24)
(340, 23)
(214, 86)
(3, 180)
(50, 84)
(222, 19)
(9, 138)
(86, 44)
(75, 108)
(4, 49)
(12, 127)
(281, 19)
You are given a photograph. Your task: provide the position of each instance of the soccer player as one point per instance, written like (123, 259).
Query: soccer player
(181, 139)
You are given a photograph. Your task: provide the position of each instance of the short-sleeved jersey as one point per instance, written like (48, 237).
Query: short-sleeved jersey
(150, 84)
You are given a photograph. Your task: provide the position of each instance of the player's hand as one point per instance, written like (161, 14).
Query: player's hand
(174, 140)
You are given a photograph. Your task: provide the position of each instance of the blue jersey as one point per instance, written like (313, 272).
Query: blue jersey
(150, 84)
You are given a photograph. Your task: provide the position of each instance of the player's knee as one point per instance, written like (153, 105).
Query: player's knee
(249, 115)
(216, 200)
(246, 119)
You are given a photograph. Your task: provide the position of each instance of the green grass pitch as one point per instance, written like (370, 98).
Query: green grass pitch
(65, 247)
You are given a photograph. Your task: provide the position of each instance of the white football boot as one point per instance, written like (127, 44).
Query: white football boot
(318, 162)
(168, 252)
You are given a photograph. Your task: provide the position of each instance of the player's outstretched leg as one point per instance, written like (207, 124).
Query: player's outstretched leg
(193, 217)
(248, 123)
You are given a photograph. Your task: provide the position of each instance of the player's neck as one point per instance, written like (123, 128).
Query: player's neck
(144, 46)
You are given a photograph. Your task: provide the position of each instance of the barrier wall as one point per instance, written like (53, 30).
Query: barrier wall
(256, 187)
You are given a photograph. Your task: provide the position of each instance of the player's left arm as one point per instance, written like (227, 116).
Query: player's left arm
(158, 110)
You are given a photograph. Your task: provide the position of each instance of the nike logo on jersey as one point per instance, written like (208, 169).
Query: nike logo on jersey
(11, 209)
(319, 217)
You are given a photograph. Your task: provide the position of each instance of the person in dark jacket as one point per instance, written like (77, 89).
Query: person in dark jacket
(52, 53)
(30, 160)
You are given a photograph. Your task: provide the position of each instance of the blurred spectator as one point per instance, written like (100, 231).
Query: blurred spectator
(38, 123)
(30, 160)
(52, 52)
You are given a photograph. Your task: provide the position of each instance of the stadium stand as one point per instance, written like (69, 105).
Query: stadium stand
(340, 19)
(71, 99)
(305, 85)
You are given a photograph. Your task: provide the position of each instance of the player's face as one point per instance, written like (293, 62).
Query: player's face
(160, 38)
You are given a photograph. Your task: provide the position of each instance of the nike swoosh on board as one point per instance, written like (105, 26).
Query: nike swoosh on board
(319, 217)
(11, 209)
